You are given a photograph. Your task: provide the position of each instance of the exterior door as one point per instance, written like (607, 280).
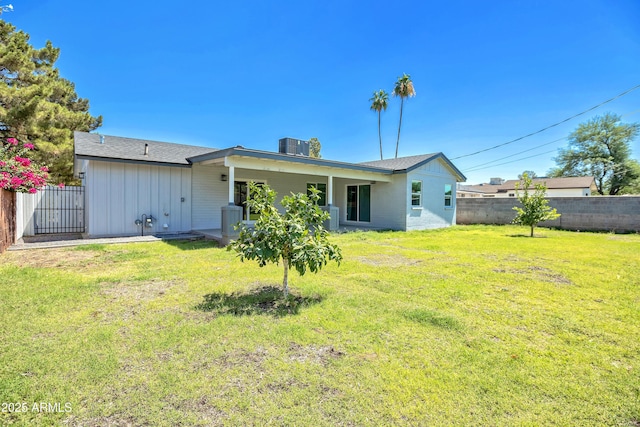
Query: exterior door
(359, 203)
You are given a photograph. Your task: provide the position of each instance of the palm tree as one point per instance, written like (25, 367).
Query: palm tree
(379, 103)
(403, 89)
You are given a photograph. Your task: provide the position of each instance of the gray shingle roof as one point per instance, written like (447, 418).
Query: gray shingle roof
(116, 148)
(407, 164)
(87, 145)
(401, 163)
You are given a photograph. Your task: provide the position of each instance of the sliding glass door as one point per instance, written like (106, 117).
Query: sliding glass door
(359, 203)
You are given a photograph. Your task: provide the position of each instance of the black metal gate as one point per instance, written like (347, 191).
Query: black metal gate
(60, 210)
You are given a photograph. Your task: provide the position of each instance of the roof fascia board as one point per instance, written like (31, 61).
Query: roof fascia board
(436, 157)
(232, 152)
(259, 163)
(137, 162)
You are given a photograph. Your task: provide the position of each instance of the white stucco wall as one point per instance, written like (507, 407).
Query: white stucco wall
(433, 213)
(119, 193)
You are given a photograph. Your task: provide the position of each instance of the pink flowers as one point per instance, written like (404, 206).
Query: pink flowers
(23, 161)
(18, 172)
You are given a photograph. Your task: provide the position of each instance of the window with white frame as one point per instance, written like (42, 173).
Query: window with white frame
(322, 201)
(416, 193)
(448, 196)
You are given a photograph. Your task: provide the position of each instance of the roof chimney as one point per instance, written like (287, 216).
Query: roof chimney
(101, 139)
(146, 149)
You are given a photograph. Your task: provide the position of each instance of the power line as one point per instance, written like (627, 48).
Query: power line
(536, 147)
(549, 127)
(511, 161)
(519, 152)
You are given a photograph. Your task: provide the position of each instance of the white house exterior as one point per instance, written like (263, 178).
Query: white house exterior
(185, 188)
(556, 187)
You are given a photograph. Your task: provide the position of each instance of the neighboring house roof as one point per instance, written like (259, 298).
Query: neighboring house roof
(407, 164)
(115, 148)
(550, 183)
(88, 146)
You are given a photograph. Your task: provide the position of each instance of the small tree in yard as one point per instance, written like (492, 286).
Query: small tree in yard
(535, 207)
(297, 237)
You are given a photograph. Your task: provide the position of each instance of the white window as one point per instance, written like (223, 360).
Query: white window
(448, 196)
(416, 193)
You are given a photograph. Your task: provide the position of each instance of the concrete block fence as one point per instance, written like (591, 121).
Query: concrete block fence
(619, 214)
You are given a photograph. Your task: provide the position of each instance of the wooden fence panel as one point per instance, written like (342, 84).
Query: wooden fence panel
(7, 219)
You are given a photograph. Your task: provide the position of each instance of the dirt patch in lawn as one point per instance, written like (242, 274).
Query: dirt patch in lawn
(111, 420)
(311, 353)
(137, 291)
(51, 258)
(387, 260)
(539, 273)
(242, 357)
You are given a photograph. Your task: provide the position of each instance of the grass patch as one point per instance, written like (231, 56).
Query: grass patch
(462, 326)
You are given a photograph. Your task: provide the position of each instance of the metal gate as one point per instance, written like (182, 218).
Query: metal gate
(60, 210)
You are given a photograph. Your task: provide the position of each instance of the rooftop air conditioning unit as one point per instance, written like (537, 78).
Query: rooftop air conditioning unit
(294, 147)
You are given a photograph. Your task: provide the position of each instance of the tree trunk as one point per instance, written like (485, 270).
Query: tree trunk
(285, 282)
(399, 125)
(531, 231)
(380, 135)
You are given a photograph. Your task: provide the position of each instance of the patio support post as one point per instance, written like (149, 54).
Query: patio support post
(333, 223)
(232, 179)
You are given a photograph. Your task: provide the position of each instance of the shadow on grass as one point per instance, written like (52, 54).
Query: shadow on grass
(265, 300)
(433, 318)
(192, 244)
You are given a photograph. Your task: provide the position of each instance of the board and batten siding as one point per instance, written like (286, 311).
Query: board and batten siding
(119, 193)
(433, 213)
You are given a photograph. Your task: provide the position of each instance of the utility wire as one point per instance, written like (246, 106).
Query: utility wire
(479, 166)
(549, 127)
(515, 154)
(511, 161)
(533, 148)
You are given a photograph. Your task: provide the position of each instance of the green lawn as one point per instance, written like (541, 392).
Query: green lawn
(463, 326)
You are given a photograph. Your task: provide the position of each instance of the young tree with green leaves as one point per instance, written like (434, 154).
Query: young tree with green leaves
(535, 207)
(379, 102)
(404, 89)
(601, 148)
(39, 106)
(297, 237)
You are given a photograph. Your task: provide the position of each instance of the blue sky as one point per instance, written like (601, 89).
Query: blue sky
(221, 74)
